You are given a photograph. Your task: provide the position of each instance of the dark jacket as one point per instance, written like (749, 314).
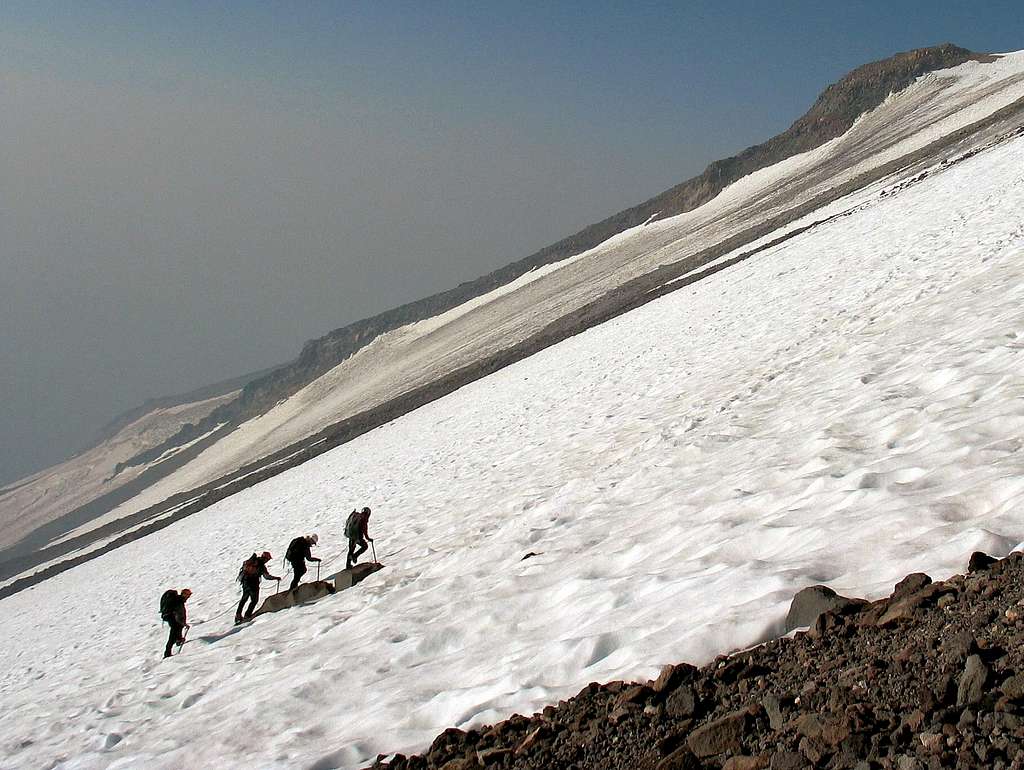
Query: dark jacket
(299, 551)
(360, 525)
(174, 609)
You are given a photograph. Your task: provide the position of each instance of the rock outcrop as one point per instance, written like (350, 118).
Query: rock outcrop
(930, 677)
(812, 601)
(302, 593)
(356, 574)
(318, 589)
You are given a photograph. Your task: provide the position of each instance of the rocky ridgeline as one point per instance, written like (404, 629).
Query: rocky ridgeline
(835, 110)
(930, 677)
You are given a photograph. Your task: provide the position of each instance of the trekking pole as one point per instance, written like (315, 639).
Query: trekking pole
(373, 550)
(318, 572)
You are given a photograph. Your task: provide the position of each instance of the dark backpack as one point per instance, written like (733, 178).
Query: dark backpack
(353, 525)
(168, 603)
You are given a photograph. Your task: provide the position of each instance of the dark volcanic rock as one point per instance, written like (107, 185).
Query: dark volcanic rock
(911, 584)
(979, 561)
(944, 687)
(972, 682)
(721, 735)
(811, 602)
(683, 759)
(681, 703)
(672, 676)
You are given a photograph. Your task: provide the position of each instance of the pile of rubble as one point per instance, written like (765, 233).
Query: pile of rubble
(930, 677)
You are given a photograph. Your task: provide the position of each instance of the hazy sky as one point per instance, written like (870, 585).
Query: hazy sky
(190, 190)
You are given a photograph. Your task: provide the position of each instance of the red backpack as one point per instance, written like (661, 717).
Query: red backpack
(251, 567)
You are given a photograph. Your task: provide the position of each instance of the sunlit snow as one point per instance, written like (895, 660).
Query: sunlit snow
(843, 408)
(936, 105)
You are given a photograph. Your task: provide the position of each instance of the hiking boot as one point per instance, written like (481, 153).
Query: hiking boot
(238, 620)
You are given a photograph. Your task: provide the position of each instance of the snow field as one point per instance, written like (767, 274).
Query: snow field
(843, 408)
(937, 104)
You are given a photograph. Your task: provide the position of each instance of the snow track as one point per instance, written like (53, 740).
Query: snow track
(844, 408)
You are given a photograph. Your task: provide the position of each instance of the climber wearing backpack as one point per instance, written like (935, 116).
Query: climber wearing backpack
(357, 534)
(253, 569)
(172, 612)
(298, 554)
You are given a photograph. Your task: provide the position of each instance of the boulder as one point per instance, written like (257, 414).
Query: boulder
(814, 600)
(911, 584)
(788, 760)
(1013, 687)
(906, 606)
(980, 561)
(682, 759)
(672, 676)
(304, 592)
(682, 702)
(719, 736)
(349, 577)
(971, 687)
(772, 706)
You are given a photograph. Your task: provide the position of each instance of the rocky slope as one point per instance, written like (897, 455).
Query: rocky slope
(929, 677)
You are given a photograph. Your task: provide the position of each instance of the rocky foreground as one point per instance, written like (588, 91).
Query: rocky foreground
(930, 677)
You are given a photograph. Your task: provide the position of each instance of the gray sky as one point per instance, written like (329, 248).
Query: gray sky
(188, 194)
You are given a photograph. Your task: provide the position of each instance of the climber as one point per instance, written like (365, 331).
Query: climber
(298, 554)
(253, 569)
(357, 534)
(172, 612)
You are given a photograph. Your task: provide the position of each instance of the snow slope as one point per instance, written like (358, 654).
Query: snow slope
(937, 105)
(58, 490)
(843, 408)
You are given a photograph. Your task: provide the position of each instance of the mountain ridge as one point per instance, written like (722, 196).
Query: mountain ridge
(937, 122)
(832, 113)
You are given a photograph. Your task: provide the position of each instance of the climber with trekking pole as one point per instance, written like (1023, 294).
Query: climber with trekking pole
(356, 530)
(253, 570)
(298, 554)
(172, 612)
